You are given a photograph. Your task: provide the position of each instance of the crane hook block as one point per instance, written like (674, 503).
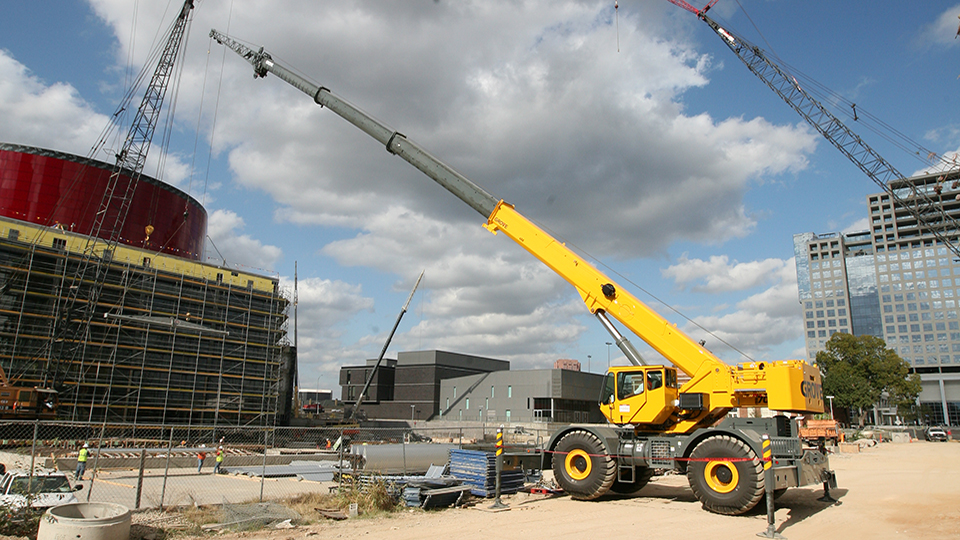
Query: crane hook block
(609, 290)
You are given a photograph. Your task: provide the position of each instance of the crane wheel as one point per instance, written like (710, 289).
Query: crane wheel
(642, 475)
(582, 466)
(726, 475)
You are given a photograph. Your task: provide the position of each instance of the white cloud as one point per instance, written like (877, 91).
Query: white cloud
(481, 292)
(859, 225)
(55, 117)
(943, 31)
(718, 275)
(235, 248)
(51, 116)
(325, 310)
(760, 323)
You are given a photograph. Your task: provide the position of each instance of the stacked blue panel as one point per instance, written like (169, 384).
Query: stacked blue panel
(478, 470)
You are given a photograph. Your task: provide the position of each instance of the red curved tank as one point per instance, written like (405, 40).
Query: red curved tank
(62, 190)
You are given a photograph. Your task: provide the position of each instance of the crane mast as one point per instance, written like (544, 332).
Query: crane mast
(917, 200)
(72, 322)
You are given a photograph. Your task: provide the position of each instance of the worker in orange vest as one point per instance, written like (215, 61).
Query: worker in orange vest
(201, 455)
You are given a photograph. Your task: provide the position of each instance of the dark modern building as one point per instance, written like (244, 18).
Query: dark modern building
(440, 385)
(409, 387)
(896, 281)
(141, 330)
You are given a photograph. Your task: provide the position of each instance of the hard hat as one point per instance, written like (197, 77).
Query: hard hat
(221, 448)
(203, 446)
(85, 445)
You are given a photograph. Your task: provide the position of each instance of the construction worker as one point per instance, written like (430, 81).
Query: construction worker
(216, 468)
(201, 455)
(82, 462)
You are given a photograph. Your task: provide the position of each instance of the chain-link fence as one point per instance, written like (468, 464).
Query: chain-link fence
(154, 466)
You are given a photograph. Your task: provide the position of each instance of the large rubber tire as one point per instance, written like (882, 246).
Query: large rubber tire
(582, 466)
(643, 476)
(731, 484)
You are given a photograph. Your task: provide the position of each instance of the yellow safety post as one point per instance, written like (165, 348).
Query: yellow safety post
(768, 481)
(498, 503)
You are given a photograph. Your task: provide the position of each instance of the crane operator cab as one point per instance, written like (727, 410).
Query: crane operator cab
(639, 394)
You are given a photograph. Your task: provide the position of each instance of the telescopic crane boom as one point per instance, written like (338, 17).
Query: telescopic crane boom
(658, 425)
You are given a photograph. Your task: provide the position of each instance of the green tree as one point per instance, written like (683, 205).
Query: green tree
(859, 370)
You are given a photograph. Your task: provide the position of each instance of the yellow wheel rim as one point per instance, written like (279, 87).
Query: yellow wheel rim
(577, 464)
(721, 476)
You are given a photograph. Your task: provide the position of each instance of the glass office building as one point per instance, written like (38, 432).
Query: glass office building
(895, 281)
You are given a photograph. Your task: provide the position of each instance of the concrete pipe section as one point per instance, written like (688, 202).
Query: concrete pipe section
(85, 521)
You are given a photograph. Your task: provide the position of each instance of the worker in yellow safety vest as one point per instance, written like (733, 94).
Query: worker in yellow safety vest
(216, 468)
(82, 462)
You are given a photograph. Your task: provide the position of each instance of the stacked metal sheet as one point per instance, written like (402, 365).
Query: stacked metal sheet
(432, 490)
(478, 470)
(317, 471)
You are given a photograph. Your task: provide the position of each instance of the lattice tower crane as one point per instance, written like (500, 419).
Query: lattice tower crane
(75, 314)
(924, 203)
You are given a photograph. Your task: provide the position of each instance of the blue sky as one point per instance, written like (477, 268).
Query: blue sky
(667, 161)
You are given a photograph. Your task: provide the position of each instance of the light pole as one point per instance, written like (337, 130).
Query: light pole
(588, 364)
(316, 395)
(413, 410)
(608, 354)
(831, 406)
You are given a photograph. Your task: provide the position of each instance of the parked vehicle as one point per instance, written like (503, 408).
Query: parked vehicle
(936, 433)
(43, 490)
(811, 431)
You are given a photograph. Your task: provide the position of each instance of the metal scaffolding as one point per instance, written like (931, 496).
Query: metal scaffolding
(173, 340)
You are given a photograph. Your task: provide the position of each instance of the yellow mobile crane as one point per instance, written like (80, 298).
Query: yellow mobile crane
(654, 424)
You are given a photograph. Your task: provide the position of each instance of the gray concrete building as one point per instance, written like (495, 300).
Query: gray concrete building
(895, 281)
(537, 395)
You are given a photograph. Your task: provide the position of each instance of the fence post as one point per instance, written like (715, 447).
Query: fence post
(166, 469)
(96, 459)
(263, 470)
(340, 462)
(403, 444)
(33, 455)
(143, 462)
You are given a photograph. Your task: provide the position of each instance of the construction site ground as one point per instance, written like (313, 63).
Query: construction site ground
(892, 490)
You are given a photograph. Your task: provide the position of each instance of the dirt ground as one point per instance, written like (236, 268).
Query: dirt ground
(902, 491)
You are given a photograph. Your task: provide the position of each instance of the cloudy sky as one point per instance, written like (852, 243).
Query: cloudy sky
(632, 134)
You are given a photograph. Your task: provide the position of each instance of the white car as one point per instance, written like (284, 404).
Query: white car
(44, 490)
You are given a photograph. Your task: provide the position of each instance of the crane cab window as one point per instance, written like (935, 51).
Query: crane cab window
(606, 394)
(654, 379)
(629, 384)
